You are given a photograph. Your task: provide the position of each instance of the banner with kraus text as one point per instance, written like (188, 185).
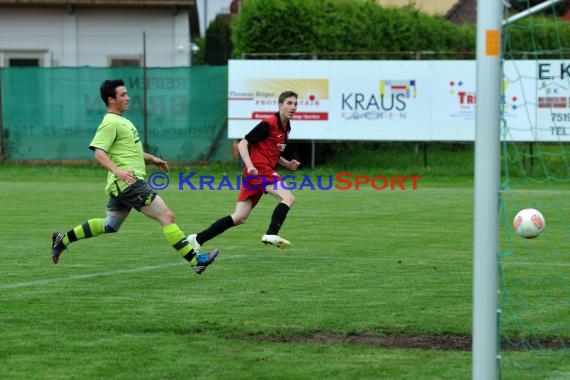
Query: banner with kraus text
(399, 100)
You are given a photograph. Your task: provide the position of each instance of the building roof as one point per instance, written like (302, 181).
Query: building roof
(464, 11)
(98, 3)
(71, 5)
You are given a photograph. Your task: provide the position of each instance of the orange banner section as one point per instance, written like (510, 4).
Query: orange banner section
(493, 42)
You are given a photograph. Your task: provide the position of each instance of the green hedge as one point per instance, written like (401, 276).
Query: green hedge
(355, 26)
(306, 26)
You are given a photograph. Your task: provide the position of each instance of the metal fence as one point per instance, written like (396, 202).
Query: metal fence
(52, 113)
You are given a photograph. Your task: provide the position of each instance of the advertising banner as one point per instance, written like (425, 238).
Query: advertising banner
(398, 100)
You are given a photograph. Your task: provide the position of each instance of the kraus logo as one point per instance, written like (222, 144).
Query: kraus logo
(390, 102)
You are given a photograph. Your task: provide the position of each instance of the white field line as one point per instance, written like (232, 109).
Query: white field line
(86, 276)
(162, 266)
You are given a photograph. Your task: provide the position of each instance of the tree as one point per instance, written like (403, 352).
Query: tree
(218, 42)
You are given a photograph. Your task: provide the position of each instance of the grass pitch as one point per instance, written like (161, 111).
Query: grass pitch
(364, 265)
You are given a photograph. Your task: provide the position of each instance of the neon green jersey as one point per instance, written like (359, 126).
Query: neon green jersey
(117, 136)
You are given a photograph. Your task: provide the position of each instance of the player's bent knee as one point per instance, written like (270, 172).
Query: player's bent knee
(239, 221)
(289, 200)
(112, 223)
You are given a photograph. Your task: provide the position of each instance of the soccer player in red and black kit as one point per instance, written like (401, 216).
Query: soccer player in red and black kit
(261, 151)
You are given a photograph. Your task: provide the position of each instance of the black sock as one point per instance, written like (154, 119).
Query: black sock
(215, 229)
(278, 218)
(190, 255)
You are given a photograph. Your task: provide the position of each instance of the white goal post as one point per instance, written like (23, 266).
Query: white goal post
(485, 352)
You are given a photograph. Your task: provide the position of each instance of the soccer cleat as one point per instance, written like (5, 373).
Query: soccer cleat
(57, 246)
(195, 245)
(275, 240)
(205, 259)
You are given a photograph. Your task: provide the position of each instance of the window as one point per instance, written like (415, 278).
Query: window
(15, 58)
(23, 62)
(120, 62)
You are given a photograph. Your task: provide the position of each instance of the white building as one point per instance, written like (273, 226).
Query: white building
(97, 33)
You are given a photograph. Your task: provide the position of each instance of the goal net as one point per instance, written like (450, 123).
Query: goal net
(534, 274)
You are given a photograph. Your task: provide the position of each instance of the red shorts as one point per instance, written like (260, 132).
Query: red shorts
(253, 187)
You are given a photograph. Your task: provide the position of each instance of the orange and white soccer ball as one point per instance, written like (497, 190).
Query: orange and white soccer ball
(529, 223)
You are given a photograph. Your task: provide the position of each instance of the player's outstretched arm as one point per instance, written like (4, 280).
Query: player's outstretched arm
(156, 161)
(292, 164)
(243, 149)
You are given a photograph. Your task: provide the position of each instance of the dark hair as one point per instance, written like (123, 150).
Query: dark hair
(286, 94)
(109, 89)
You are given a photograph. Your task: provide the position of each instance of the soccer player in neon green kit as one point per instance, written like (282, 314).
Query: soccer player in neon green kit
(118, 148)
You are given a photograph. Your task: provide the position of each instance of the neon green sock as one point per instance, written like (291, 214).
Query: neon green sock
(176, 238)
(91, 228)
